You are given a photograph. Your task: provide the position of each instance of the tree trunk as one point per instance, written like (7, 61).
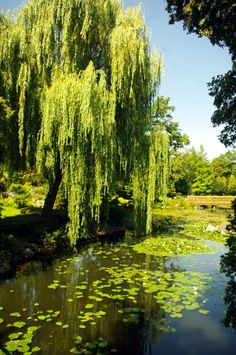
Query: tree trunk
(52, 194)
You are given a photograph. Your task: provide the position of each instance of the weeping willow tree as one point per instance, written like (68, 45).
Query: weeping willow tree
(81, 78)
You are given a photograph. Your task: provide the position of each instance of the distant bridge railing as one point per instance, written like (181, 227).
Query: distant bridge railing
(211, 201)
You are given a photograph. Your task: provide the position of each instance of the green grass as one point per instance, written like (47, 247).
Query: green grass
(181, 209)
(22, 197)
(10, 211)
(176, 219)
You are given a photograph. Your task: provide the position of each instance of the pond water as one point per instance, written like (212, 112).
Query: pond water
(111, 299)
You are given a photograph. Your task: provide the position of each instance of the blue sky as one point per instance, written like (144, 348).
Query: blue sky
(190, 62)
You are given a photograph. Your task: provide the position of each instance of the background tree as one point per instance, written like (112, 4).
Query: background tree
(223, 89)
(81, 78)
(231, 188)
(216, 20)
(219, 185)
(225, 164)
(162, 115)
(224, 171)
(192, 173)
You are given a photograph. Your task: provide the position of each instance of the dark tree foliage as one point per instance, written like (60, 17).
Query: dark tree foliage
(223, 89)
(215, 19)
(228, 266)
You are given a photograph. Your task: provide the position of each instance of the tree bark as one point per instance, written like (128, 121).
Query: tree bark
(52, 194)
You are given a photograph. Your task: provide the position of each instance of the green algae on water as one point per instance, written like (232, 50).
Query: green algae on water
(171, 246)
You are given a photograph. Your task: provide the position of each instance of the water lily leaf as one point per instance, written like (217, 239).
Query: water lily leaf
(59, 323)
(103, 344)
(35, 349)
(15, 314)
(19, 324)
(23, 348)
(89, 305)
(176, 315)
(12, 345)
(204, 311)
(81, 287)
(41, 317)
(78, 339)
(32, 329)
(14, 336)
(1, 320)
(53, 286)
(55, 314)
(91, 345)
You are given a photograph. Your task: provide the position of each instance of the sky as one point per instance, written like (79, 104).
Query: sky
(189, 63)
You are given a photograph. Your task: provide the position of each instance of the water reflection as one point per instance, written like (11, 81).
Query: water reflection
(130, 300)
(228, 266)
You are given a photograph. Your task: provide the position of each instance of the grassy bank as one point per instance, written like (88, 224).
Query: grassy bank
(188, 210)
(26, 236)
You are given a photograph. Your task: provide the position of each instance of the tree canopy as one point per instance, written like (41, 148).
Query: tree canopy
(192, 172)
(162, 115)
(217, 21)
(223, 89)
(81, 78)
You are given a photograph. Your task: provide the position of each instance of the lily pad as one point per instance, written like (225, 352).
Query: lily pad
(78, 339)
(204, 311)
(170, 246)
(14, 336)
(89, 306)
(19, 324)
(35, 349)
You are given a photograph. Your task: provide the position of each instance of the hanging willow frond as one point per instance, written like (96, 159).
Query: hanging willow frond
(81, 78)
(83, 108)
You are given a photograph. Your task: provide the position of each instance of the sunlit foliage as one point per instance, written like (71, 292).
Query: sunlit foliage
(81, 77)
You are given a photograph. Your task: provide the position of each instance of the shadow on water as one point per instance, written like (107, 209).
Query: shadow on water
(167, 224)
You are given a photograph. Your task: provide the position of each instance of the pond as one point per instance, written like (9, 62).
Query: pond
(120, 298)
